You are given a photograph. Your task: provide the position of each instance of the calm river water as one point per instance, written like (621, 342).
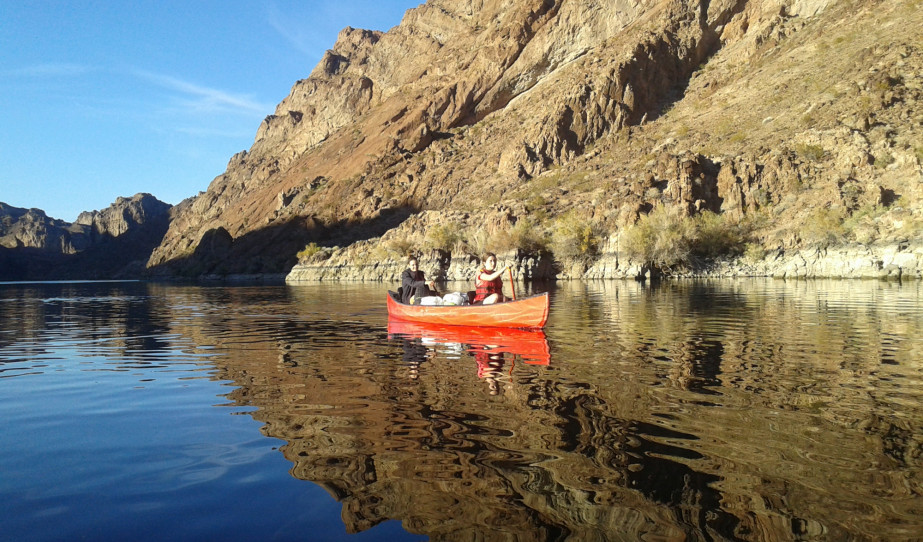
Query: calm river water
(748, 410)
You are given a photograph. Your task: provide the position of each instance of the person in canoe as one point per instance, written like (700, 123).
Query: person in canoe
(488, 283)
(414, 286)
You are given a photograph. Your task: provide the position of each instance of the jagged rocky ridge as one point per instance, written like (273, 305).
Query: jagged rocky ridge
(109, 244)
(473, 117)
(549, 131)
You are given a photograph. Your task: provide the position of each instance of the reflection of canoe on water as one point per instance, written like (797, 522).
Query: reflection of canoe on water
(530, 344)
(529, 312)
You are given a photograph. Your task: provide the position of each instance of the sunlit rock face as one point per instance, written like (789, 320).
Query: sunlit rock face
(762, 111)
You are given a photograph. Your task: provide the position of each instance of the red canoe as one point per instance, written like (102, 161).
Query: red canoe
(528, 312)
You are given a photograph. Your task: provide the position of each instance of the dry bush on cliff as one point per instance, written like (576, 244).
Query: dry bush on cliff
(442, 237)
(823, 227)
(574, 237)
(313, 253)
(718, 235)
(666, 238)
(662, 238)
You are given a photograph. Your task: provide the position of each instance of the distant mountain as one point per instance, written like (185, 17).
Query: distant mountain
(113, 243)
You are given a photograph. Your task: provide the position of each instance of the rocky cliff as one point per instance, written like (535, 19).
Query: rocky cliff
(113, 243)
(589, 138)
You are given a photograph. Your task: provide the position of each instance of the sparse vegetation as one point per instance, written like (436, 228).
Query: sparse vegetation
(528, 236)
(662, 238)
(665, 238)
(823, 227)
(442, 237)
(811, 153)
(398, 247)
(883, 160)
(575, 237)
(753, 253)
(312, 252)
(717, 235)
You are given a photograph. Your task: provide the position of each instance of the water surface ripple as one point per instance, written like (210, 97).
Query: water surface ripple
(745, 410)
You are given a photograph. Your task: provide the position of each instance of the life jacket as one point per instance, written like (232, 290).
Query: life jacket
(483, 288)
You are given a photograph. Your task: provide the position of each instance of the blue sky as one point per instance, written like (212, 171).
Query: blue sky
(101, 99)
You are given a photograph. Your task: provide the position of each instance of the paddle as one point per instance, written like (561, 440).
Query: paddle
(512, 285)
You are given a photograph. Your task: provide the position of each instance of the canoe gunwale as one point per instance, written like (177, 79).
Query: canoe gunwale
(526, 313)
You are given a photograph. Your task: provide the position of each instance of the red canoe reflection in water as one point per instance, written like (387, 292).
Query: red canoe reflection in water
(530, 345)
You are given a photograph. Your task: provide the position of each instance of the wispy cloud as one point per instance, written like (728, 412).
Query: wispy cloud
(308, 39)
(50, 69)
(201, 132)
(197, 98)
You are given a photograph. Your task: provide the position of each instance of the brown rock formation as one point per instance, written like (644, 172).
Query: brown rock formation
(605, 109)
(112, 243)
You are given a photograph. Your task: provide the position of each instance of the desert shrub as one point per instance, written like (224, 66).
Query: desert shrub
(311, 252)
(754, 252)
(528, 236)
(399, 247)
(823, 227)
(717, 235)
(575, 237)
(884, 159)
(476, 243)
(811, 153)
(442, 237)
(663, 238)
(666, 237)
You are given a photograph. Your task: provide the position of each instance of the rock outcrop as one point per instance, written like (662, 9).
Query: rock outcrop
(779, 114)
(113, 243)
(555, 131)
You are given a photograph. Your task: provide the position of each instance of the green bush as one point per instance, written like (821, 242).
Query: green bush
(442, 237)
(310, 252)
(884, 160)
(717, 235)
(663, 238)
(528, 236)
(811, 153)
(666, 238)
(754, 252)
(399, 247)
(823, 227)
(575, 237)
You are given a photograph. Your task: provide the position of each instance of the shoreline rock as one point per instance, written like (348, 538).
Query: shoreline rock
(896, 261)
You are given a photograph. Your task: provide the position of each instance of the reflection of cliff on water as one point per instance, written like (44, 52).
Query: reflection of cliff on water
(797, 387)
(753, 410)
(105, 318)
(397, 431)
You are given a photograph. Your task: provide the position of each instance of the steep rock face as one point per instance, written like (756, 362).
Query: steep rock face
(377, 98)
(124, 215)
(33, 229)
(112, 243)
(759, 110)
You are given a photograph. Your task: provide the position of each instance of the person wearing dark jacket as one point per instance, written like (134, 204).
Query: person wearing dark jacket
(414, 284)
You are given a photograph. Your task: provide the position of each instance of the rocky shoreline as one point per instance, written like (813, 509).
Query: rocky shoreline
(896, 261)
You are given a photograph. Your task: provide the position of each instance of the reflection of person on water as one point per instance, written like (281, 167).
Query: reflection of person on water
(490, 367)
(414, 356)
(413, 283)
(488, 284)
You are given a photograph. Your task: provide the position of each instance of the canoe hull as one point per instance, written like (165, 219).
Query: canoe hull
(530, 312)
